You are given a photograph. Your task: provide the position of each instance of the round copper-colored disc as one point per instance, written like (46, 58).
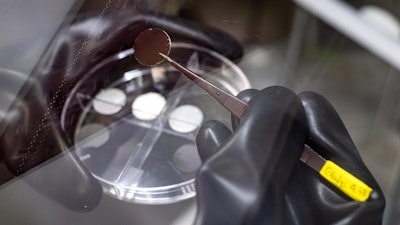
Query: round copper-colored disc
(149, 43)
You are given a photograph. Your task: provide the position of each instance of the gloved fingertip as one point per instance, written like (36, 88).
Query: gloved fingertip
(245, 95)
(211, 137)
(248, 94)
(323, 122)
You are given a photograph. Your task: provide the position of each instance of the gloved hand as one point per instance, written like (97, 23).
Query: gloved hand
(254, 176)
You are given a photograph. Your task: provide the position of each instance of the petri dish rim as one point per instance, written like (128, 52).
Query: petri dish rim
(154, 195)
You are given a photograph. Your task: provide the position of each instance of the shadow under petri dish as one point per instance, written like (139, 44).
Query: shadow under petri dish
(92, 135)
(148, 106)
(109, 101)
(185, 118)
(187, 159)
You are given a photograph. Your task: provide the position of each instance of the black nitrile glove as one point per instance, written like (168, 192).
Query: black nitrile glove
(254, 175)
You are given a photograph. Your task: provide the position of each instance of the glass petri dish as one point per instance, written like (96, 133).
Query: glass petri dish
(143, 159)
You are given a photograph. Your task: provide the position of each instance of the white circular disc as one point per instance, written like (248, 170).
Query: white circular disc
(187, 159)
(92, 135)
(148, 106)
(185, 118)
(109, 101)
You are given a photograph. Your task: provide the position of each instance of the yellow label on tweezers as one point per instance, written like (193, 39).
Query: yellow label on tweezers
(346, 182)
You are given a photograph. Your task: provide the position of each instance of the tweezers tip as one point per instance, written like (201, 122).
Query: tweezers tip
(165, 57)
